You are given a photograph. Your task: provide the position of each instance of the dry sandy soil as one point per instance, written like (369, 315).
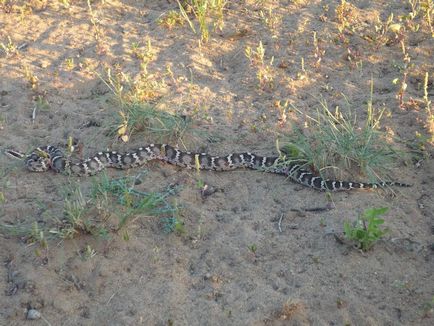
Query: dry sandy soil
(233, 264)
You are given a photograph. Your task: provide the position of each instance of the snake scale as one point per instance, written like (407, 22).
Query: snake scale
(50, 157)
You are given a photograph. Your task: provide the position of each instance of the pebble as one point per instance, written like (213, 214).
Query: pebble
(33, 314)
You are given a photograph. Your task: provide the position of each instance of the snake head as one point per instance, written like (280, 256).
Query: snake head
(37, 161)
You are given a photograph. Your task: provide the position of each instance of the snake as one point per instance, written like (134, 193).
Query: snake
(46, 158)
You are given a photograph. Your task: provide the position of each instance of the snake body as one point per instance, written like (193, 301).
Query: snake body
(50, 157)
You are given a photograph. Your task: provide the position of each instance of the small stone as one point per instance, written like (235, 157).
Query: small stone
(33, 314)
(207, 191)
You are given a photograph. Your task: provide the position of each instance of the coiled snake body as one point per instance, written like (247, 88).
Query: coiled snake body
(49, 157)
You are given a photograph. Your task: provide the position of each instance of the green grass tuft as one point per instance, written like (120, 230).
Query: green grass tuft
(137, 114)
(336, 141)
(130, 202)
(138, 117)
(206, 12)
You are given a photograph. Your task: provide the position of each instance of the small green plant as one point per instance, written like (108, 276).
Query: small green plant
(69, 64)
(340, 303)
(253, 248)
(427, 7)
(37, 235)
(264, 72)
(318, 51)
(172, 19)
(256, 56)
(87, 253)
(31, 78)
(429, 113)
(382, 35)
(366, 231)
(9, 48)
(205, 11)
(200, 10)
(428, 308)
(200, 184)
(2, 121)
(173, 224)
(302, 73)
(144, 54)
(66, 4)
(270, 19)
(345, 16)
(425, 10)
(42, 103)
(322, 222)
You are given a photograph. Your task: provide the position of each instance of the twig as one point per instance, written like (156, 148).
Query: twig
(279, 224)
(48, 323)
(318, 209)
(22, 46)
(110, 299)
(34, 115)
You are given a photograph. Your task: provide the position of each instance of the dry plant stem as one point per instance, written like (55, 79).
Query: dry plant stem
(279, 224)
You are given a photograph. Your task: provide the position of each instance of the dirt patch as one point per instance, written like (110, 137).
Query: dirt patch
(256, 251)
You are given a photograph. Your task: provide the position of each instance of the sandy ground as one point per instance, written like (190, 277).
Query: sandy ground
(298, 274)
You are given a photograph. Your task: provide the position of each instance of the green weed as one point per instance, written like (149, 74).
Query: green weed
(37, 236)
(87, 253)
(42, 104)
(171, 19)
(429, 113)
(382, 35)
(144, 54)
(173, 224)
(256, 56)
(9, 48)
(302, 74)
(423, 9)
(427, 7)
(66, 4)
(318, 51)
(366, 231)
(2, 121)
(264, 71)
(345, 16)
(69, 64)
(270, 19)
(428, 308)
(253, 248)
(205, 11)
(31, 78)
